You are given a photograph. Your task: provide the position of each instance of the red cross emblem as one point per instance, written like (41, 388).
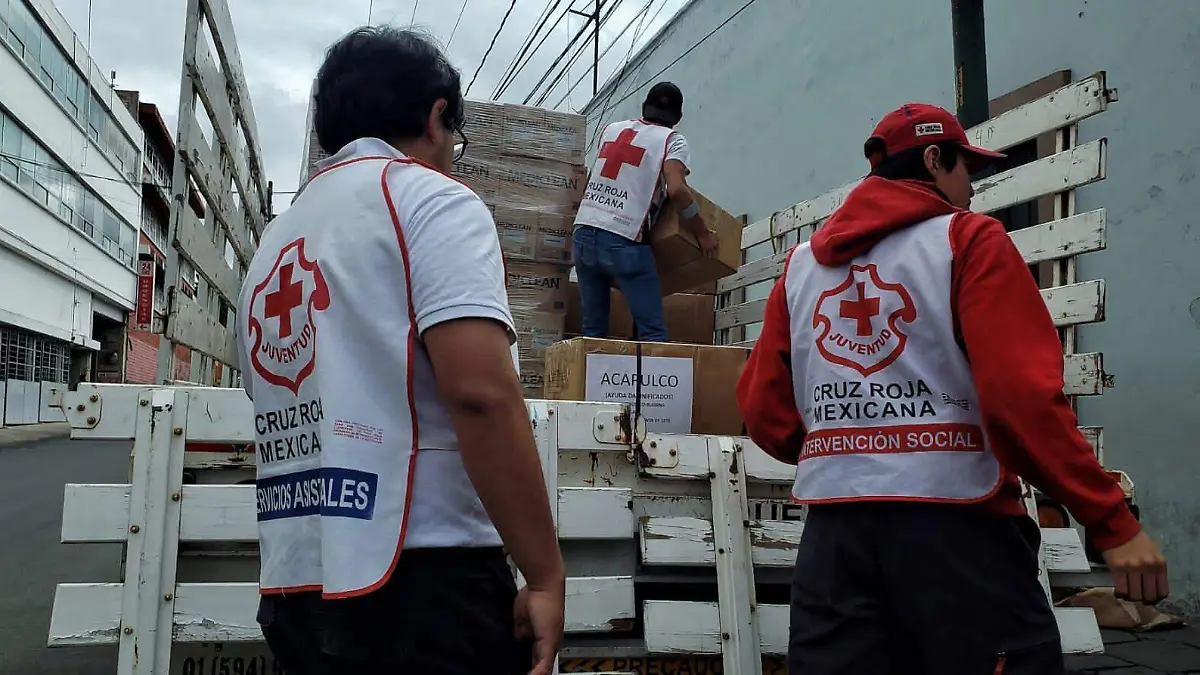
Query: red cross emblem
(280, 324)
(616, 154)
(849, 334)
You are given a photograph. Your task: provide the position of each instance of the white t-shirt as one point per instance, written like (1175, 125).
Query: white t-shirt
(456, 271)
(677, 149)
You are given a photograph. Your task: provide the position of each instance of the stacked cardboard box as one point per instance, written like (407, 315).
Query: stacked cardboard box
(527, 164)
(689, 317)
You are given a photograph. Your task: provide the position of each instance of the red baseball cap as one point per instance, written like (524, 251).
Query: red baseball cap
(916, 125)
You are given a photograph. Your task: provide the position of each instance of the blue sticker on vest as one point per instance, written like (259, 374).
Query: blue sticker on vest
(330, 491)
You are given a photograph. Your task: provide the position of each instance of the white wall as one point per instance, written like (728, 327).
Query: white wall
(51, 267)
(28, 101)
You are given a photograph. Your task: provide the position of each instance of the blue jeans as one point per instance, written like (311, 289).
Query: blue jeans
(604, 260)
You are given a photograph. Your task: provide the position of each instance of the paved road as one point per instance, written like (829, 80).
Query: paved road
(32, 561)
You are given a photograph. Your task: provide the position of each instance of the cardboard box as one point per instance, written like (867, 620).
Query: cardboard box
(536, 331)
(534, 236)
(680, 264)
(520, 182)
(690, 318)
(536, 287)
(533, 379)
(686, 388)
(495, 129)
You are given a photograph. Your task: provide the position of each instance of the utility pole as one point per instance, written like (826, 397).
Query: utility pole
(232, 221)
(970, 61)
(594, 18)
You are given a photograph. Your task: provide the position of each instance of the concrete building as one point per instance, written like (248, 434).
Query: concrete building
(146, 322)
(779, 101)
(70, 201)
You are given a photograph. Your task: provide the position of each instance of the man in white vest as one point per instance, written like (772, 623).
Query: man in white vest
(396, 462)
(640, 164)
(909, 368)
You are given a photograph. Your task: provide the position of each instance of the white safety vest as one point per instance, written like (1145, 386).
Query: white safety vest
(337, 458)
(885, 392)
(623, 180)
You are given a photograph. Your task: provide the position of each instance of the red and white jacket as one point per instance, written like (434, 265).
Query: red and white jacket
(906, 354)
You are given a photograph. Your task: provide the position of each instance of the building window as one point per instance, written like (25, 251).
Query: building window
(31, 357)
(36, 172)
(29, 40)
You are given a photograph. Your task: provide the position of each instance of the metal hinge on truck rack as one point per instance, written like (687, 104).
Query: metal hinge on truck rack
(672, 565)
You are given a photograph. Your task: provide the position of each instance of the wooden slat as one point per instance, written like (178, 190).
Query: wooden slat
(90, 614)
(1076, 167)
(1082, 233)
(673, 627)
(1066, 106)
(689, 542)
(196, 244)
(227, 513)
(1068, 305)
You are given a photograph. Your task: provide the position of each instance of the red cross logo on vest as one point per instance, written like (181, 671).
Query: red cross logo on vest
(859, 321)
(281, 327)
(616, 154)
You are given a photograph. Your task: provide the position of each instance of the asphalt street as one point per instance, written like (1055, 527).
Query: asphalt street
(32, 476)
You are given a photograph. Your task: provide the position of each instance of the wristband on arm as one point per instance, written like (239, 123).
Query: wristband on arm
(690, 211)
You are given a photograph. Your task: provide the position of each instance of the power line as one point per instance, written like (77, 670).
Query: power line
(460, 14)
(636, 34)
(574, 57)
(529, 57)
(492, 44)
(582, 29)
(540, 22)
(416, 4)
(617, 79)
(677, 60)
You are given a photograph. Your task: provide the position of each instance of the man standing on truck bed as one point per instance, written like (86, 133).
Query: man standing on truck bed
(641, 163)
(395, 456)
(909, 368)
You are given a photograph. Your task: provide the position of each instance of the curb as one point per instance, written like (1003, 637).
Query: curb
(33, 432)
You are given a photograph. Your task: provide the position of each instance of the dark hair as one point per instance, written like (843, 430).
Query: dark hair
(381, 82)
(909, 164)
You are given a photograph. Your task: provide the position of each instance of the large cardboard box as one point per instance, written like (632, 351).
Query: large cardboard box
(681, 266)
(536, 331)
(534, 236)
(523, 183)
(536, 287)
(495, 129)
(689, 317)
(685, 388)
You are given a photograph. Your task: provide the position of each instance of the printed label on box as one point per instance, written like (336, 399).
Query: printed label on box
(666, 388)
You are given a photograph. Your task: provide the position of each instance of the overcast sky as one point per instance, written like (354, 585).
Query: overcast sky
(282, 42)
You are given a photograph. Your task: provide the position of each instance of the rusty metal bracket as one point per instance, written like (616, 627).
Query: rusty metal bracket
(660, 452)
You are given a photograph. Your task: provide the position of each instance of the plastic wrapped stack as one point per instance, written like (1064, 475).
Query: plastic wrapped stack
(527, 164)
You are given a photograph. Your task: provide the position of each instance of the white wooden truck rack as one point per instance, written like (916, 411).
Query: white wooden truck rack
(681, 501)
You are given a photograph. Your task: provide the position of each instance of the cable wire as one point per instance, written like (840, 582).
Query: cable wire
(416, 4)
(582, 30)
(493, 44)
(616, 80)
(539, 23)
(566, 71)
(529, 57)
(636, 34)
(456, 21)
(678, 58)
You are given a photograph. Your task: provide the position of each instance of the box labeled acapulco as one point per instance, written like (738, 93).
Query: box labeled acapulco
(685, 388)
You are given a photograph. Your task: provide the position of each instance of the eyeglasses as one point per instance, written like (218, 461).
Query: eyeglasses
(460, 144)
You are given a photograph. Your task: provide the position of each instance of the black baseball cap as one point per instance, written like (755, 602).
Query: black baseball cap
(664, 102)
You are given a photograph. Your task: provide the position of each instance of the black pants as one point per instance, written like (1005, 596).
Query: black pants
(443, 612)
(919, 589)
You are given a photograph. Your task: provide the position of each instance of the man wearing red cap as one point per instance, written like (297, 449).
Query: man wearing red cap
(909, 369)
